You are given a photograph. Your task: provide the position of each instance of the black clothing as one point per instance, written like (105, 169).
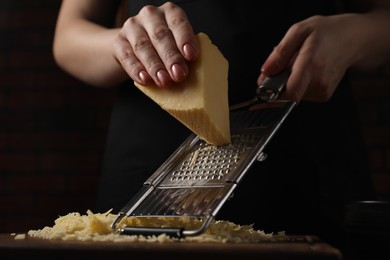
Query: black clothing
(316, 161)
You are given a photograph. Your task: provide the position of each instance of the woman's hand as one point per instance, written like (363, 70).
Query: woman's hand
(156, 45)
(320, 50)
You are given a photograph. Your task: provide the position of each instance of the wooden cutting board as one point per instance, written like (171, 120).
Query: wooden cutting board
(302, 247)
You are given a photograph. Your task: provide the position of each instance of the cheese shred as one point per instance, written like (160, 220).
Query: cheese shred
(97, 227)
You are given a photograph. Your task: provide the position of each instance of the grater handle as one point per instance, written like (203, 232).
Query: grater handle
(271, 87)
(269, 90)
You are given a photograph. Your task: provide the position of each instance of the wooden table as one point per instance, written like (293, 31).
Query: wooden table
(303, 247)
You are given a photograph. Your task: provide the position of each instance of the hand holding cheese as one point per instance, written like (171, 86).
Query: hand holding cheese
(201, 101)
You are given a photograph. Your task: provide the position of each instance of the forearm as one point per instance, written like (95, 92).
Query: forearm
(84, 49)
(373, 30)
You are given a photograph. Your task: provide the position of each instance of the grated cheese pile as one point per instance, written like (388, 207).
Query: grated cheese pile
(97, 227)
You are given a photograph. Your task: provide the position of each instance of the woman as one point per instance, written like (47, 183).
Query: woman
(316, 161)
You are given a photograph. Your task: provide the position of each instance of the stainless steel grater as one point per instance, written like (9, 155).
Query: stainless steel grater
(198, 178)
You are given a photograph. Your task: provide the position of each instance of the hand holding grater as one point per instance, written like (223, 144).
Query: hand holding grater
(198, 178)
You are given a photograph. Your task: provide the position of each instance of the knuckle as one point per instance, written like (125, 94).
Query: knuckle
(154, 66)
(122, 50)
(178, 21)
(169, 6)
(160, 33)
(132, 67)
(131, 21)
(282, 51)
(297, 28)
(177, 16)
(152, 63)
(315, 19)
(147, 10)
(172, 56)
(129, 63)
(300, 28)
(142, 44)
(306, 26)
(124, 55)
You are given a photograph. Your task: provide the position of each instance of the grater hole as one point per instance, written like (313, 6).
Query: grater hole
(209, 163)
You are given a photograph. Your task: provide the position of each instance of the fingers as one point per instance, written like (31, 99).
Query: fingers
(284, 55)
(162, 52)
(299, 80)
(182, 32)
(160, 42)
(124, 54)
(311, 49)
(318, 67)
(144, 50)
(284, 52)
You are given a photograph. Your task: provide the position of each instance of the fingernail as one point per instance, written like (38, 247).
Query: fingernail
(179, 73)
(143, 76)
(163, 78)
(268, 68)
(272, 65)
(189, 51)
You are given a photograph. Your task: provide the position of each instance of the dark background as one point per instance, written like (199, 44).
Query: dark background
(53, 127)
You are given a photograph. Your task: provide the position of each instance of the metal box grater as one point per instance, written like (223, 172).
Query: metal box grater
(198, 178)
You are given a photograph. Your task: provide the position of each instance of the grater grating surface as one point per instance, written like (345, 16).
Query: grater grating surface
(208, 165)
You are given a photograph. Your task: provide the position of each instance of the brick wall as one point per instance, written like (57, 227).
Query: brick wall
(53, 127)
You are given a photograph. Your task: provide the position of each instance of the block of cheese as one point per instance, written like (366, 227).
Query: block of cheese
(201, 101)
